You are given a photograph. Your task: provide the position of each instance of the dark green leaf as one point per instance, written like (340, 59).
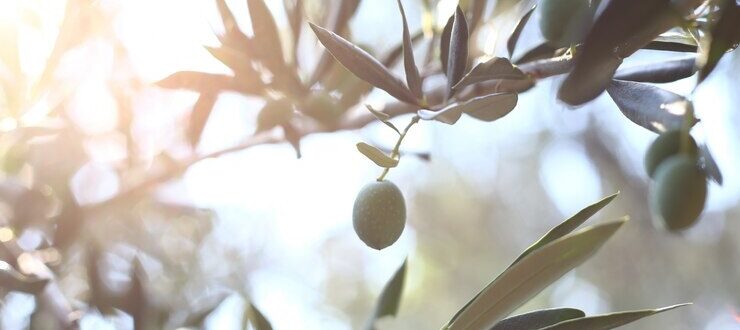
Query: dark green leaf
(11, 279)
(608, 321)
(493, 69)
(622, 28)
(646, 105)
(390, 298)
(199, 117)
(458, 51)
(671, 46)
(376, 155)
(709, 164)
(538, 319)
(444, 44)
(514, 37)
(659, 72)
(345, 11)
(362, 65)
(567, 226)
(539, 52)
(725, 35)
(412, 73)
(487, 108)
(525, 279)
(395, 53)
(257, 319)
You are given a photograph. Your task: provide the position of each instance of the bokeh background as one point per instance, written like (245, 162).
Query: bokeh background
(260, 225)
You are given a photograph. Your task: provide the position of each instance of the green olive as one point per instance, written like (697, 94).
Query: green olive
(274, 113)
(666, 145)
(322, 107)
(564, 23)
(679, 194)
(379, 214)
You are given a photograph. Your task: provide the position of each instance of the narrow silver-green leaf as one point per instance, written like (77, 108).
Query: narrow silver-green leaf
(390, 298)
(412, 73)
(608, 321)
(457, 58)
(568, 225)
(724, 36)
(525, 279)
(362, 65)
(645, 105)
(538, 319)
(660, 72)
(495, 68)
(257, 319)
(514, 37)
(376, 155)
(383, 117)
(444, 44)
(487, 108)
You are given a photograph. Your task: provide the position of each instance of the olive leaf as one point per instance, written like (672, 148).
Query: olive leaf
(266, 36)
(199, 116)
(196, 81)
(376, 155)
(457, 58)
(11, 279)
(724, 35)
(412, 73)
(646, 105)
(256, 318)
(514, 37)
(620, 30)
(392, 55)
(709, 164)
(390, 298)
(671, 46)
(293, 136)
(342, 15)
(538, 319)
(660, 72)
(568, 225)
(539, 52)
(444, 44)
(529, 276)
(487, 108)
(494, 68)
(609, 321)
(362, 65)
(383, 117)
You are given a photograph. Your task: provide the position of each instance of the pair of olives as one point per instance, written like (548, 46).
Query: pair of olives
(679, 192)
(379, 214)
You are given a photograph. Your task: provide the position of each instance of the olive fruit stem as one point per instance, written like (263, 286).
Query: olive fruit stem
(688, 120)
(395, 153)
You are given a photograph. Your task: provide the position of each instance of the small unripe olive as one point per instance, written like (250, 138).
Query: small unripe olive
(323, 107)
(274, 113)
(379, 214)
(679, 193)
(666, 145)
(564, 23)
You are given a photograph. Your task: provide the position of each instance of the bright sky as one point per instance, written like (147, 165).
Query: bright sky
(298, 204)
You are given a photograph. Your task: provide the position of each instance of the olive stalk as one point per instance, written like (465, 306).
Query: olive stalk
(684, 146)
(395, 153)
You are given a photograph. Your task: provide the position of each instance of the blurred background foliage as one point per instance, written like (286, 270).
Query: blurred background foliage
(96, 197)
